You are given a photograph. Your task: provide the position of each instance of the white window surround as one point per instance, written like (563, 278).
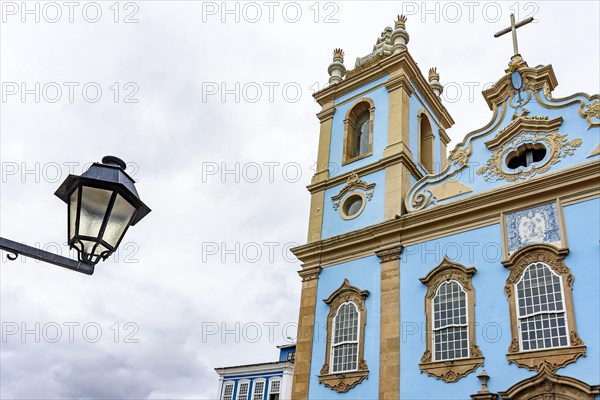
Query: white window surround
(243, 390)
(455, 327)
(227, 393)
(274, 385)
(533, 314)
(353, 332)
(258, 388)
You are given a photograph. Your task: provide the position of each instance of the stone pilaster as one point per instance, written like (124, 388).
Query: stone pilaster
(306, 323)
(389, 345)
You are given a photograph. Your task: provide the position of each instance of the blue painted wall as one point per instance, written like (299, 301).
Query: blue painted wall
(334, 224)
(283, 353)
(365, 275)
(481, 248)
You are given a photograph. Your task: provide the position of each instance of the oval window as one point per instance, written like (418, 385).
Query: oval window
(525, 155)
(353, 206)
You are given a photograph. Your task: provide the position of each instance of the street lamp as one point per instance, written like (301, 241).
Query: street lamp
(102, 204)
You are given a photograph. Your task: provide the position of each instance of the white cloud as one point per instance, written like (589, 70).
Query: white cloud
(173, 136)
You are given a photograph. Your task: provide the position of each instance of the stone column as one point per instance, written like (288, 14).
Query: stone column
(389, 341)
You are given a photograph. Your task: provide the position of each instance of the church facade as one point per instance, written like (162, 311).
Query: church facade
(469, 275)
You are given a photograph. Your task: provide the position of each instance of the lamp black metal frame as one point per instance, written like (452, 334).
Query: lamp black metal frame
(109, 175)
(15, 249)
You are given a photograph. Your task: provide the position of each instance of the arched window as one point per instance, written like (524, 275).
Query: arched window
(541, 309)
(450, 324)
(344, 346)
(345, 366)
(358, 131)
(539, 290)
(425, 143)
(450, 348)
(362, 130)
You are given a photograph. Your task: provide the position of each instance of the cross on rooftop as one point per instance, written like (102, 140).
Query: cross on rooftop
(513, 28)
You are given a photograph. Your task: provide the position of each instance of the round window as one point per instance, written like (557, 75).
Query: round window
(352, 206)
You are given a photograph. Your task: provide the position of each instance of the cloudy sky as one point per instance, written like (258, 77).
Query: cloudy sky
(210, 105)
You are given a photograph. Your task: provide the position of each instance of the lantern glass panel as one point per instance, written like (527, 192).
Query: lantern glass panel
(94, 203)
(73, 213)
(119, 220)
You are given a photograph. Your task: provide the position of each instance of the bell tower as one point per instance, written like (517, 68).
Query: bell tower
(383, 125)
(382, 129)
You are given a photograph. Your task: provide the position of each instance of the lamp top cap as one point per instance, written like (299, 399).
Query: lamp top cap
(116, 161)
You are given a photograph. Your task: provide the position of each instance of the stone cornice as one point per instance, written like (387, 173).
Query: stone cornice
(576, 184)
(367, 169)
(384, 67)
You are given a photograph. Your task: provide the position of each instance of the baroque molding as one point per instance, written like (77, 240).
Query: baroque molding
(343, 381)
(525, 123)
(455, 369)
(354, 182)
(547, 385)
(549, 359)
(557, 148)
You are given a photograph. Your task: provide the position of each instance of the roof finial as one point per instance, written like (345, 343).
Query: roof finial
(434, 81)
(400, 36)
(336, 69)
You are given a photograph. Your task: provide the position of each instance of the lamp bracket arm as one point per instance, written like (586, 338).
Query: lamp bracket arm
(15, 249)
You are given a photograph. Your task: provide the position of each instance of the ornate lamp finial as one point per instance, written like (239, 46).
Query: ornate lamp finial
(400, 36)
(434, 81)
(336, 69)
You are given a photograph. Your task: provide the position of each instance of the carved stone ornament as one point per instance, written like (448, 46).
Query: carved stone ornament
(460, 156)
(593, 110)
(557, 147)
(549, 359)
(547, 385)
(353, 183)
(450, 370)
(344, 381)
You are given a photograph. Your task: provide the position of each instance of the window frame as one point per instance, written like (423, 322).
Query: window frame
(433, 329)
(360, 106)
(563, 312)
(554, 357)
(239, 386)
(270, 388)
(343, 381)
(225, 385)
(254, 384)
(450, 370)
(334, 345)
